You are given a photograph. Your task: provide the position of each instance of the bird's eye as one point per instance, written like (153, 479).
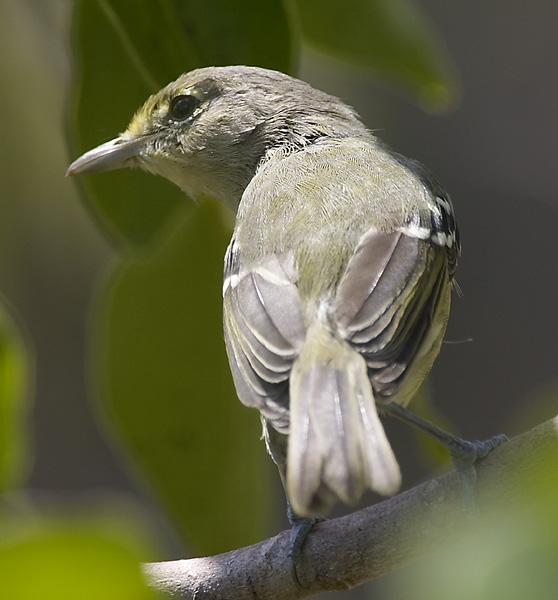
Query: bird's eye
(182, 107)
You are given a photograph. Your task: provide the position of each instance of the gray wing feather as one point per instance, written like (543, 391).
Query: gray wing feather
(264, 331)
(386, 302)
(381, 271)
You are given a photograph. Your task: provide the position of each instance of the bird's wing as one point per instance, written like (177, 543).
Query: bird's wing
(392, 306)
(264, 331)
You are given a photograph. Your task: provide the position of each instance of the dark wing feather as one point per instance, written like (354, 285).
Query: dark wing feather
(387, 300)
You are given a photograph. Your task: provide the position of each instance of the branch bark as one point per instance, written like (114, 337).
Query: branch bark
(345, 552)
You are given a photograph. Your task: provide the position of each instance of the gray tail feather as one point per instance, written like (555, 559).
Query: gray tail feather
(337, 445)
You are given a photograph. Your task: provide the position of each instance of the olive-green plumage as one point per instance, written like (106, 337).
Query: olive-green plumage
(337, 279)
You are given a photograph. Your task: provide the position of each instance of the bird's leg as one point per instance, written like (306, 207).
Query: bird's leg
(300, 529)
(464, 453)
(276, 444)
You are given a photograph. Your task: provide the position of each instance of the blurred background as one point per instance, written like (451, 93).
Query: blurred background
(495, 153)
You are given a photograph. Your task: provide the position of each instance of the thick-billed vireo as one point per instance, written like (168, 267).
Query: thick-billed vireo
(337, 278)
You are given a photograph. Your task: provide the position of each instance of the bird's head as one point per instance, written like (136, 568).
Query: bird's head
(209, 130)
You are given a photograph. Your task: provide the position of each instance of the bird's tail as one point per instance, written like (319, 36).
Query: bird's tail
(337, 446)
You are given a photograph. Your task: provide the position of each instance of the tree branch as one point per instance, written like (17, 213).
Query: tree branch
(345, 552)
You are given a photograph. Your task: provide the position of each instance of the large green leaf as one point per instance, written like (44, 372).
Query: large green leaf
(167, 389)
(67, 559)
(15, 376)
(392, 37)
(126, 50)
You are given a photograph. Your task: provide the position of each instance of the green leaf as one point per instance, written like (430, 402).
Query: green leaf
(166, 388)
(69, 559)
(129, 49)
(393, 37)
(15, 375)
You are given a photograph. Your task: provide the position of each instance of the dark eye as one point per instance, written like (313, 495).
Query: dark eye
(182, 107)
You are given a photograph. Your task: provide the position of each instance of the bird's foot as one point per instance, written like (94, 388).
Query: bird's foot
(464, 455)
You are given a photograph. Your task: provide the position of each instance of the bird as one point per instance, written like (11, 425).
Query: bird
(338, 277)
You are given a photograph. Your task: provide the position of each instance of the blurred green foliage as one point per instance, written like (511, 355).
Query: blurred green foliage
(167, 392)
(63, 559)
(15, 387)
(510, 554)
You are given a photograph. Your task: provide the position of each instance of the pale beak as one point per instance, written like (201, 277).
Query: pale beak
(115, 154)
